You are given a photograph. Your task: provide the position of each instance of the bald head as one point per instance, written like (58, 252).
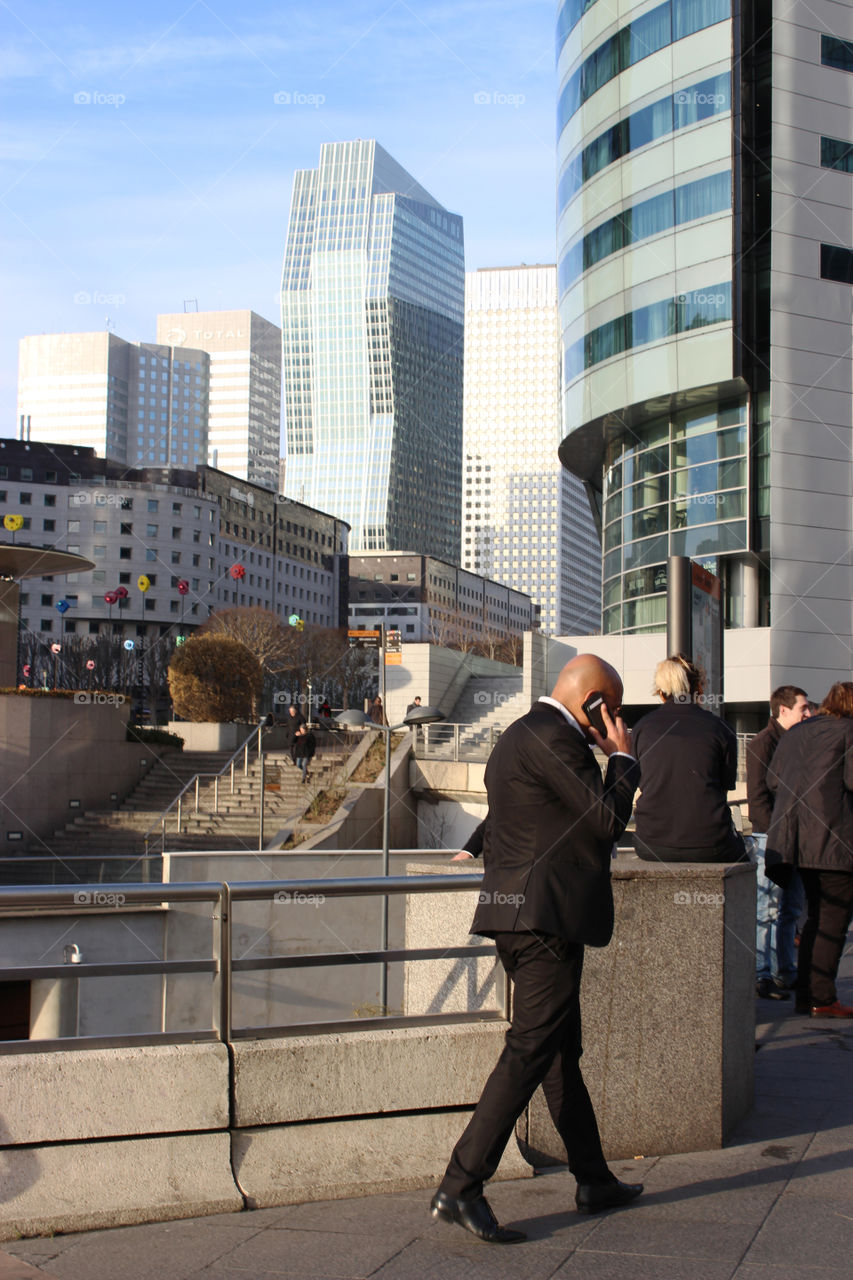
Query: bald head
(584, 675)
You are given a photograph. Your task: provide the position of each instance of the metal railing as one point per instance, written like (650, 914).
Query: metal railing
(466, 742)
(194, 784)
(113, 899)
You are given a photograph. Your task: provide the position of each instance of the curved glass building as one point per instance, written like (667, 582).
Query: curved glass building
(702, 208)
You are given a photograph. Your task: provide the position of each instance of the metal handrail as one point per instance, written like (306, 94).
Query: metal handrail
(447, 741)
(112, 898)
(194, 782)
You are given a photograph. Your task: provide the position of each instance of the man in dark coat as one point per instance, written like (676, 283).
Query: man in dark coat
(777, 909)
(304, 746)
(546, 893)
(292, 722)
(812, 829)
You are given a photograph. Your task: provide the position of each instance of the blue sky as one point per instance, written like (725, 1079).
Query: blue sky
(146, 160)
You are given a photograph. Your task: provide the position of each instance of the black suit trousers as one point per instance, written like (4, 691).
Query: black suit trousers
(543, 1046)
(830, 900)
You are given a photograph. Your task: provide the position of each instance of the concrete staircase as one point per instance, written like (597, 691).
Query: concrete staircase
(489, 703)
(97, 836)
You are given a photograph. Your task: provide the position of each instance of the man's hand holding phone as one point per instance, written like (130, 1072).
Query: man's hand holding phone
(613, 734)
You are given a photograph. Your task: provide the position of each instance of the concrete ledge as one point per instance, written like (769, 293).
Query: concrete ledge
(296, 1163)
(78, 1187)
(363, 1072)
(668, 1007)
(104, 1093)
(668, 1012)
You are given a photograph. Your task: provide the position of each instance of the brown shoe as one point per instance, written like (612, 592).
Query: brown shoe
(834, 1010)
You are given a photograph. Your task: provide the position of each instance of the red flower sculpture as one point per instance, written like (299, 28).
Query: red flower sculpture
(237, 572)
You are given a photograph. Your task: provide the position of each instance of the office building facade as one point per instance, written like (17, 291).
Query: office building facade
(142, 403)
(170, 526)
(525, 518)
(705, 258)
(431, 601)
(208, 392)
(244, 406)
(372, 333)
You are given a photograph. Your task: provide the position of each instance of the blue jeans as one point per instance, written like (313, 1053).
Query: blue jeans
(777, 912)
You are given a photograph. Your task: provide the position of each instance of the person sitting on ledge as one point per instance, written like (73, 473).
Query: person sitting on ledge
(688, 763)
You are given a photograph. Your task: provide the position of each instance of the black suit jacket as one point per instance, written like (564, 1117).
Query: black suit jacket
(549, 835)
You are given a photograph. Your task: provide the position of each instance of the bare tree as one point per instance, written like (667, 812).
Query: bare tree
(261, 631)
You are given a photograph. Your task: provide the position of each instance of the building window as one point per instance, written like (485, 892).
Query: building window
(50, 499)
(836, 154)
(836, 263)
(153, 504)
(25, 498)
(124, 553)
(836, 53)
(150, 554)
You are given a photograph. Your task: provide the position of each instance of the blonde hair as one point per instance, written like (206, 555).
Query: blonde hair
(677, 677)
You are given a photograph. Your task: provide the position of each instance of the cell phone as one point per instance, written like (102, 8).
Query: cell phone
(592, 711)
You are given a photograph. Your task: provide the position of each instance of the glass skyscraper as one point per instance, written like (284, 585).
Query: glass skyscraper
(704, 271)
(373, 293)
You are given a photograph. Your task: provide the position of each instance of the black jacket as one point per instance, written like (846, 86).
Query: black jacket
(759, 753)
(550, 831)
(812, 770)
(290, 724)
(688, 762)
(304, 745)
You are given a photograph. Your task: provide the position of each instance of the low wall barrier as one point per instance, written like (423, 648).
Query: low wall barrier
(102, 1131)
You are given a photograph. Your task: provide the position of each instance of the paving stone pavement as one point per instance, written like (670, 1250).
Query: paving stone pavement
(775, 1204)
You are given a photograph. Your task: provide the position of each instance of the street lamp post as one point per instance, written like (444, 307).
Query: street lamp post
(358, 720)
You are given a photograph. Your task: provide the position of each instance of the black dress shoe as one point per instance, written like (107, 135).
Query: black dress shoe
(595, 1197)
(768, 990)
(475, 1216)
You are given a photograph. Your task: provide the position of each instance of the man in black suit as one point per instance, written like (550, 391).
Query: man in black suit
(546, 892)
